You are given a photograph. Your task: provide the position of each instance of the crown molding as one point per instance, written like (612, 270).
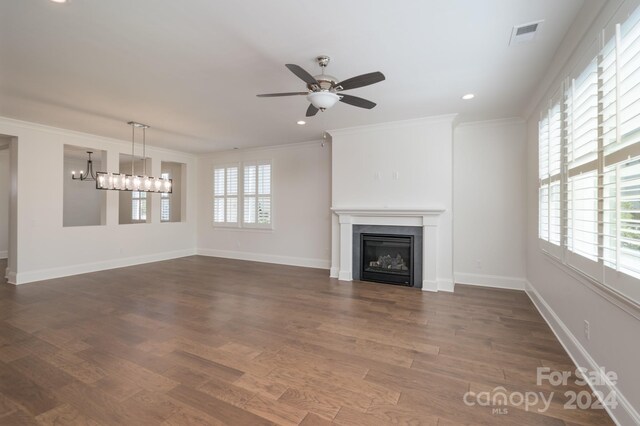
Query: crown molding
(27, 125)
(446, 118)
(212, 154)
(492, 122)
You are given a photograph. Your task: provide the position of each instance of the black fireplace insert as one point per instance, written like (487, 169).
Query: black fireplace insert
(387, 258)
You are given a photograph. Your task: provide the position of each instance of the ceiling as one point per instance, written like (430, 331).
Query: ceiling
(191, 68)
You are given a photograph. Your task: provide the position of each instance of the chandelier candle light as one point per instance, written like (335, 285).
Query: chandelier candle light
(133, 182)
(85, 176)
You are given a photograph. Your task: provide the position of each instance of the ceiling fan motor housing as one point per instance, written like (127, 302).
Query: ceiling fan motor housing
(323, 99)
(326, 82)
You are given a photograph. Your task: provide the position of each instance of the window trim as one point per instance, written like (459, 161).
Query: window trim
(240, 224)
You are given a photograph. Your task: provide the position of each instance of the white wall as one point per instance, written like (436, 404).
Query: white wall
(489, 216)
(5, 186)
(301, 216)
(46, 249)
(398, 165)
(566, 298)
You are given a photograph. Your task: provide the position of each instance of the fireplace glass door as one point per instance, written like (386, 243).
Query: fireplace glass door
(387, 258)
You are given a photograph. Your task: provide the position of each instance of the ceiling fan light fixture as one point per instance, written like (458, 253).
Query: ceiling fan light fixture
(323, 100)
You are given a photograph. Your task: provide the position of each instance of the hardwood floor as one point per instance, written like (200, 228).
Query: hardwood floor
(209, 341)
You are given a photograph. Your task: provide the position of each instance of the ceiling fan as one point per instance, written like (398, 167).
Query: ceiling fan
(323, 91)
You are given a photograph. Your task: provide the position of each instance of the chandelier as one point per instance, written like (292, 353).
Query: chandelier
(133, 182)
(85, 176)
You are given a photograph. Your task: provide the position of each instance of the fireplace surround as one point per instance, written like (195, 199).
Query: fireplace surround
(428, 220)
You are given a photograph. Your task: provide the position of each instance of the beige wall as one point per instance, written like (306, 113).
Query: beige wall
(489, 202)
(301, 183)
(566, 298)
(45, 248)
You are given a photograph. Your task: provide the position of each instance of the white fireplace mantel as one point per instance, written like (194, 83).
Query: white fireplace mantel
(427, 218)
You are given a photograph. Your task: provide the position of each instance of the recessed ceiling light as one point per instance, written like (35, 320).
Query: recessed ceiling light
(59, 1)
(468, 96)
(302, 122)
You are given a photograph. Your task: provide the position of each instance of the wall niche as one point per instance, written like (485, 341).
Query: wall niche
(173, 206)
(83, 204)
(134, 206)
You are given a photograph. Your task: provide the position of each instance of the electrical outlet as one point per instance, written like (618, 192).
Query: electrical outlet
(396, 175)
(587, 330)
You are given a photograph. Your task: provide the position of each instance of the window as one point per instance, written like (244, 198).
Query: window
(252, 205)
(138, 206)
(225, 195)
(165, 203)
(550, 129)
(257, 194)
(589, 165)
(581, 123)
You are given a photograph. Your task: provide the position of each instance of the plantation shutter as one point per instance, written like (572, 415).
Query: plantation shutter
(264, 193)
(622, 150)
(165, 203)
(543, 175)
(257, 194)
(555, 166)
(225, 195)
(250, 175)
(582, 193)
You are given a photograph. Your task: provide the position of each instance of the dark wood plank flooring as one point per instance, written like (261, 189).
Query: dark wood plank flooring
(208, 341)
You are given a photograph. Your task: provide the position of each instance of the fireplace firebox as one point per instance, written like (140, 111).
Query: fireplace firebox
(387, 258)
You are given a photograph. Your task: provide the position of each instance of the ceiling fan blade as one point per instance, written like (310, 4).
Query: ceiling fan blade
(356, 101)
(302, 74)
(311, 111)
(360, 81)
(272, 95)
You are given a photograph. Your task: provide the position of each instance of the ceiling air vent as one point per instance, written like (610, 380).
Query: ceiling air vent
(525, 32)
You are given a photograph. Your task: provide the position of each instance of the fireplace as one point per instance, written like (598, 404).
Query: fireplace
(387, 258)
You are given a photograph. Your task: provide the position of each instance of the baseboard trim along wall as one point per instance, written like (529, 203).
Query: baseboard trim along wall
(4, 254)
(496, 281)
(624, 414)
(65, 271)
(266, 258)
(10, 276)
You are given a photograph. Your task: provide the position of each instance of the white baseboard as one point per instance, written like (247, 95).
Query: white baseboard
(10, 276)
(266, 258)
(65, 271)
(625, 413)
(4, 254)
(446, 285)
(496, 281)
(333, 272)
(430, 285)
(345, 276)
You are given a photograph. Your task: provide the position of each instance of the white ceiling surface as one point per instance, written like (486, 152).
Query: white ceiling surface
(191, 69)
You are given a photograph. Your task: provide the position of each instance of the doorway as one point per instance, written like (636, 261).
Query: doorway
(8, 208)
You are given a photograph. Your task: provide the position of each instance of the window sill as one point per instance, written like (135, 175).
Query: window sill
(628, 305)
(241, 228)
